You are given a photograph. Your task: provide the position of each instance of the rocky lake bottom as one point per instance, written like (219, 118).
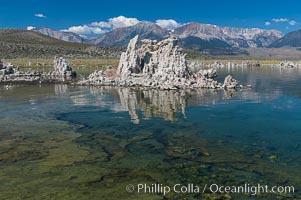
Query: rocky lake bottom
(71, 142)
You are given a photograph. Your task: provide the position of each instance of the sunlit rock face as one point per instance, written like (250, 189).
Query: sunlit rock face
(129, 60)
(230, 82)
(154, 64)
(62, 68)
(154, 59)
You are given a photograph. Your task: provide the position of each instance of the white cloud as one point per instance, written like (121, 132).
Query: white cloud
(292, 22)
(267, 23)
(30, 28)
(281, 20)
(168, 24)
(116, 22)
(101, 24)
(121, 21)
(101, 27)
(278, 20)
(85, 29)
(40, 15)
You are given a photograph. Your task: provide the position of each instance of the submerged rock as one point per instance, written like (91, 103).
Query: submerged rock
(154, 64)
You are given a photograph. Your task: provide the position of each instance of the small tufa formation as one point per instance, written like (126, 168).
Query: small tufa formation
(230, 82)
(289, 64)
(6, 70)
(62, 68)
(154, 64)
(62, 72)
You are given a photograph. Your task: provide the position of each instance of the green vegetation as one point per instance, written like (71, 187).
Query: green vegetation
(54, 160)
(81, 66)
(17, 43)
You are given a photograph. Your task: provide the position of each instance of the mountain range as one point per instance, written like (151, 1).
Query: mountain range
(292, 39)
(194, 36)
(61, 35)
(122, 36)
(234, 37)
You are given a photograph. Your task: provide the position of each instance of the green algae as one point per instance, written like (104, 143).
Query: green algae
(61, 152)
(68, 165)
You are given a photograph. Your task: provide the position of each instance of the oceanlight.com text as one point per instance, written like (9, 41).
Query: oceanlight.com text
(143, 188)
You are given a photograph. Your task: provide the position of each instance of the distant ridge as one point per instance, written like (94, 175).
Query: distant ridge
(19, 43)
(122, 36)
(61, 35)
(195, 36)
(204, 36)
(292, 39)
(234, 37)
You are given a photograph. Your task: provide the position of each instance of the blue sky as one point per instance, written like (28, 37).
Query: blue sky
(78, 16)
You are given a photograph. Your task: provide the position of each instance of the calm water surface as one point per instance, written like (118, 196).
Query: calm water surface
(64, 142)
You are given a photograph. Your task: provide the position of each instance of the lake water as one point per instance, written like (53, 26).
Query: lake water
(64, 142)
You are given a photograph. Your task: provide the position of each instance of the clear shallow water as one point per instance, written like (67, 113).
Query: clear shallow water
(63, 142)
